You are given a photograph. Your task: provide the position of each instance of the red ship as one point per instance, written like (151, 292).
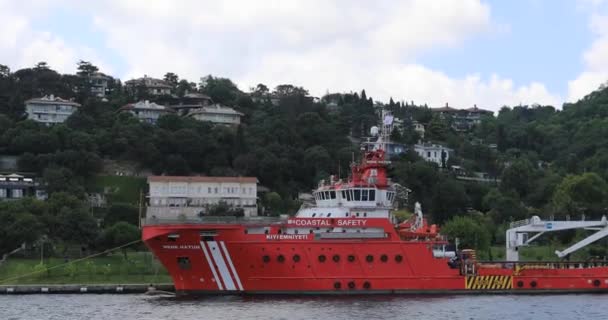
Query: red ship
(349, 243)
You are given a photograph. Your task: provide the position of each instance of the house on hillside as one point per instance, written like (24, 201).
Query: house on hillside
(462, 119)
(146, 111)
(172, 197)
(435, 153)
(99, 84)
(418, 127)
(217, 114)
(50, 109)
(14, 187)
(190, 102)
(153, 86)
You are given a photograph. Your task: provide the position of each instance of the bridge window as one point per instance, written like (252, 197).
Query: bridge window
(349, 196)
(332, 194)
(343, 194)
(329, 215)
(357, 194)
(364, 194)
(372, 195)
(314, 215)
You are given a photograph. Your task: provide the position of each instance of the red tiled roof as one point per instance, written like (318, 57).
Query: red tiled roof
(202, 179)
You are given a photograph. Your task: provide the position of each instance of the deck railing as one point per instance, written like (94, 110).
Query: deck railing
(213, 220)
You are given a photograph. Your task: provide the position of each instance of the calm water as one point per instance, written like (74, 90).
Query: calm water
(109, 307)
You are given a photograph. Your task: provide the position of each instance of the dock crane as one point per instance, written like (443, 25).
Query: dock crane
(518, 234)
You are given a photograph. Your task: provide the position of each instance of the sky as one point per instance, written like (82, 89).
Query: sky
(461, 52)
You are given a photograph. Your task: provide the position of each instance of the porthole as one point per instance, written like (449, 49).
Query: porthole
(384, 258)
(329, 215)
(533, 284)
(336, 258)
(337, 285)
(369, 258)
(314, 215)
(266, 259)
(520, 284)
(281, 258)
(596, 283)
(296, 258)
(322, 258)
(351, 285)
(351, 258)
(367, 285)
(398, 258)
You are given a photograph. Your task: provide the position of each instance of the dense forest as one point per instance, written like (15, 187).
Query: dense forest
(545, 161)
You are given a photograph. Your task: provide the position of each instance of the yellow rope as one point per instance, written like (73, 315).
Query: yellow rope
(63, 264)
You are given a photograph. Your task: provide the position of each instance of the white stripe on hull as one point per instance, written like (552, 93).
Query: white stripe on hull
(236, 275)
(211, 266)
(221, 265)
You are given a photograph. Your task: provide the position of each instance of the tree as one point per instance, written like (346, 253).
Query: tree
(260, 90)
(41, 66)
(518, 177)
(449, 199)
(121, 212)
(221, 90)
(290, 90)
(469, 231)
(273, 203)
(86, 69)
(120, 234)
(578, 194)
(5, 71)
(171, 78)
(18, 226)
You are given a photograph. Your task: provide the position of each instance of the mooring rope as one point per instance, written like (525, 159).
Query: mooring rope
(64, 264)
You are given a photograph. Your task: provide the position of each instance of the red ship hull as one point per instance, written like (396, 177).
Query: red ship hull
(229, 259)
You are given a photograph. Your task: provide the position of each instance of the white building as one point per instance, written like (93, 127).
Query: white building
(99, 84)
(50, 109)
(433, 153)
(146, 111)
(172, 196)
(15, 187)
(156, 87)
(217, 114)
(418, 127)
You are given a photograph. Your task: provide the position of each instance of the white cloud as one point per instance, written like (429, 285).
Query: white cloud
(21, 45)
(321, 45)
(596, 56)
(340, 45)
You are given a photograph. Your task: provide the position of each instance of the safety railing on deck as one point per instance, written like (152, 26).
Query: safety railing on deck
(213, 220)
(521, 265)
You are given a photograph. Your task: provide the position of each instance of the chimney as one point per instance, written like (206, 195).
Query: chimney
(446, 105)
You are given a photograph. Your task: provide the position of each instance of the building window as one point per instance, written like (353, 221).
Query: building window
(428, 154)
(216, 190)
(17, 193)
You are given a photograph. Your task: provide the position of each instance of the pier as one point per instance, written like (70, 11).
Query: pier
(84, 288)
